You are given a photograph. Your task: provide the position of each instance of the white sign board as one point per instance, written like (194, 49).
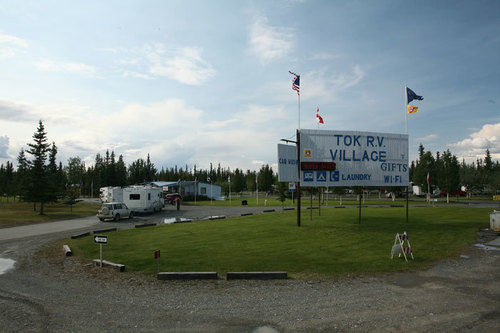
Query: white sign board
(287, 163)
(361, 158)
(100, 239)
(291, 187)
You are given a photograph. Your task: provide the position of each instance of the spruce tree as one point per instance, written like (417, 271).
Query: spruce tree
(121, 172)
(21, 178)
(38, 189)
(55, 189)
(9, 180)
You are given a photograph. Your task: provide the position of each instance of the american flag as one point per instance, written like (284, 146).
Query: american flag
(295, 82)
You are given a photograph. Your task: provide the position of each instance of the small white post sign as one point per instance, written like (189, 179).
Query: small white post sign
(100, 239)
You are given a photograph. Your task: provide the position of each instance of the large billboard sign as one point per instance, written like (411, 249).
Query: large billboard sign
(361, 158)
(349, 158)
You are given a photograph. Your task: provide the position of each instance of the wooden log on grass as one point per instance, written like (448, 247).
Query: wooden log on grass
(145, 225)
(187, 276)
(105, 263)
(256, 275)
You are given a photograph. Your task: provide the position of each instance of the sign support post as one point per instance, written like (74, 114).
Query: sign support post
(319, 201)
(157, 257)
(360, 194)
(100, 239)
(406, 204)
(311, 205)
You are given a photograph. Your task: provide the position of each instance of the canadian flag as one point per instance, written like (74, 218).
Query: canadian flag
(318, 117)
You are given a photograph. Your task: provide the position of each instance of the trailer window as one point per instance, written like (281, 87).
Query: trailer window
(135, 197)
(203, 190)
(149, 196)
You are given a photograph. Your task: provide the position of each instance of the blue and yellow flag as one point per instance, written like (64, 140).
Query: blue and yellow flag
(410, 96)
(412, 109)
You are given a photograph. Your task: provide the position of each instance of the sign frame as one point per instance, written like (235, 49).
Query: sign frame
(101, 239)
(362, 159)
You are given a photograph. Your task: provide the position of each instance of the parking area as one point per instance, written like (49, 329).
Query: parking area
(45, 291)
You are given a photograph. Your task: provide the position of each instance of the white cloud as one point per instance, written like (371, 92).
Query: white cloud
(258, 114)
(427, 138)
(138, 75)
(216, 124)
(254, 115)
(488, 137)
(26, 112)
(325, 84)
(183, 64)
(172, 131)
(4, 145)
(321, 56)
(270, 43)
(68, 67)
(15, 111)
(11, 46)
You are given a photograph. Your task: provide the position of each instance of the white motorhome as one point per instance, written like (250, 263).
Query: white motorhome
(111, 194)
(417, 190)
(142, 199)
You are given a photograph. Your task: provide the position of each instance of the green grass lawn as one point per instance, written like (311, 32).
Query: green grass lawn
(330, 245)
(274, 202)
(16, 213)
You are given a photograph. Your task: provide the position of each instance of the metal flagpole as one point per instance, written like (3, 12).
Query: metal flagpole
(406, 118)
(298, 162)
(296, 87)
(298, 95)
(298, 181)
(406, 108)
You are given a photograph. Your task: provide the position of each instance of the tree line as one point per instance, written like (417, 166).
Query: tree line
(446, 173)
(38, 178)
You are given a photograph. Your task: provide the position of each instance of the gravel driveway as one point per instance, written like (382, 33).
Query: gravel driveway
(48, 292)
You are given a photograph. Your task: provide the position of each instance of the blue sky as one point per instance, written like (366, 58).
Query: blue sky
(193, 82)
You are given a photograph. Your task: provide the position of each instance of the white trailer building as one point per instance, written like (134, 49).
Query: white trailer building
(142, 199)
(189, 188)
(417, 190)
(111, 194)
